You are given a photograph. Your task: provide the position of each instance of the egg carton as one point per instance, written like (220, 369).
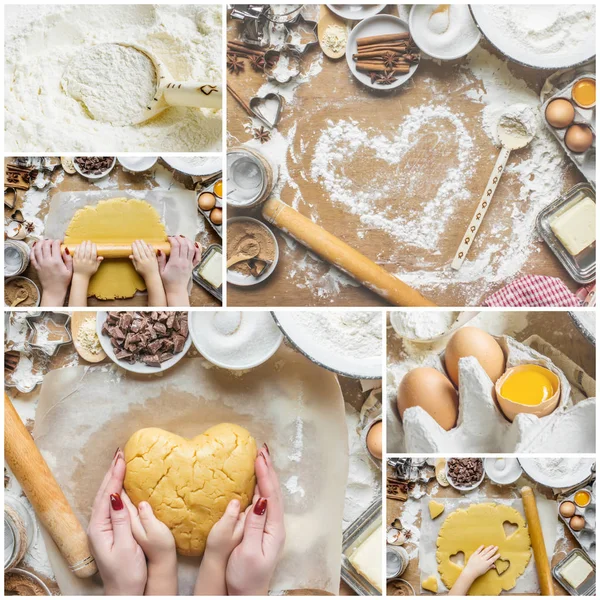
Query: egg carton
(585, 161)
(587, 536)
(218, 204)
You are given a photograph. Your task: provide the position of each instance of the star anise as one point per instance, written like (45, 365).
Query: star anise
(235, 65)
(257, 62)
(373, 76)
(386, 78)
(29, 227)
(407, 534)
(262, 135)
(390, 59)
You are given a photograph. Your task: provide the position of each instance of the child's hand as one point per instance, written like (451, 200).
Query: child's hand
(227, 532)
(481, 561)
(144, 259)
(54, 269)
(158, 544)
(177, 270)
(86, 260)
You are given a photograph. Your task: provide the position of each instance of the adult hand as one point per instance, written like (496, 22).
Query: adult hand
(54, 269)
(252, 563)
(120, 559)
(176, 271)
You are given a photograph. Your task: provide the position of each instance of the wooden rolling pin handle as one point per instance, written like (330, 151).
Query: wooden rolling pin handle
(118, 250)
(338, 253)
(542, 564)
(52, 508)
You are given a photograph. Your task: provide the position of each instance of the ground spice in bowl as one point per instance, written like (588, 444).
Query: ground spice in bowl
(239, 233)
(17, 287)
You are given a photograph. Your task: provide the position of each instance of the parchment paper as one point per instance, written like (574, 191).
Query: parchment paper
(528, 582)
(177, 208)
(85, 413)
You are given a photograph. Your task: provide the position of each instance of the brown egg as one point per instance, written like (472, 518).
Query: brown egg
(560, 113)
(579, 138)
(471, 341)
(433, 392)
(567, 509)
(216, 215)
(375, 440)
(577, 523)
(206, 201)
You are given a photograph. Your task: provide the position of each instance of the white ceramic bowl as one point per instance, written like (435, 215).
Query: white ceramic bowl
(137, 367)
(207, 166)
(513, 472)
(91, 176)
(137, 164)
(204, 351)
(467, 488)
(355, 12)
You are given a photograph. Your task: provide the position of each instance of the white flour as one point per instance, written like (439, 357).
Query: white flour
(556, 467)
(41, 42)
(519, 121)
(545, 28)
(422, 325)
(113, 83)
(354, 334)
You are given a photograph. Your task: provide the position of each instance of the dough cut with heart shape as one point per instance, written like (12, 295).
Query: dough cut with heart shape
(189, 483)
(501, 566)
(465, 530)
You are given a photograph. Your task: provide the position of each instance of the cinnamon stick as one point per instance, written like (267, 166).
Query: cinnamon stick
(241, 101)
(392, 37)
(236, 47)
(377, 53)
(381, 68)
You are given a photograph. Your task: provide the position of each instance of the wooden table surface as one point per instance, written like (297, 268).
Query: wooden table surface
(412, 574)
(334, 94)
(25, 405)
(125, 181)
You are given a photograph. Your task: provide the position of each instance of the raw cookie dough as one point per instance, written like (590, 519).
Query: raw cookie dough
(189, 483)
(435, 509)
(430, 584)
(465, 530)
(119, 220)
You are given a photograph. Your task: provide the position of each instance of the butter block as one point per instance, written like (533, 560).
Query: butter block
(368, 557)
(576, 571)
(576, 227)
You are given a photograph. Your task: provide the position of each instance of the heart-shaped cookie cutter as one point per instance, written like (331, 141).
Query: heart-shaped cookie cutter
(272, 58)
(257, 101)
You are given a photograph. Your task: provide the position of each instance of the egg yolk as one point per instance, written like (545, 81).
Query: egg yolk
(527, 387)
(218, 189)
(584, 92)
(581, 498)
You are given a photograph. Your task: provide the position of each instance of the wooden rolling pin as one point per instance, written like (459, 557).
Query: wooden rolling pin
(118, 250)
(542, 564)
(45, 495)
(338, 253)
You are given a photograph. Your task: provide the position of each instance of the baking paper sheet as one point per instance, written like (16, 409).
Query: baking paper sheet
(177, 209)
(430, 528)
(85, 413)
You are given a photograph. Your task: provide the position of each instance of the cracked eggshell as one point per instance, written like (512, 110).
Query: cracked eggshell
(511, 409)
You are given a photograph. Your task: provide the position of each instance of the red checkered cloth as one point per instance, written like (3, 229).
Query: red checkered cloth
(534, 290)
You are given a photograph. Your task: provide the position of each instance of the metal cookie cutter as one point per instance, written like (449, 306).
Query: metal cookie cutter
(305, 26)
(259, 101)
(36, 321)
(272, 58)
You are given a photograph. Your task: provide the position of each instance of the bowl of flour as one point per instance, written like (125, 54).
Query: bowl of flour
(349, 343)
(233, 339)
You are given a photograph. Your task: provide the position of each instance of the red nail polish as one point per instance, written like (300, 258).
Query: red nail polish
(196, 244)
(159, 252)
(67, 251)
(260, 507)
(266, 448)
(117, 503)
(181, 235)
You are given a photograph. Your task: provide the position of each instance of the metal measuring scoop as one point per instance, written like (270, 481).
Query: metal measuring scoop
(513, 135)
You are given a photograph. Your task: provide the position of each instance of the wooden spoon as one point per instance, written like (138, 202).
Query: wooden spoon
(21, 297)
(247, 250)
(326, 20)
(77, 320)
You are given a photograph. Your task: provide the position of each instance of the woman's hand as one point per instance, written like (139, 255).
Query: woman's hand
(120, 559)
(54, 269)
(145, 263)
(158, 544)
(252, 563)
(177, 270)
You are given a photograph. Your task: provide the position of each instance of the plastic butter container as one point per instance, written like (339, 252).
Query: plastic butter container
(357, 534)
(581, 267)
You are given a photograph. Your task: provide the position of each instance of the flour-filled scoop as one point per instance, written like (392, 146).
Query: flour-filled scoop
(125, 84)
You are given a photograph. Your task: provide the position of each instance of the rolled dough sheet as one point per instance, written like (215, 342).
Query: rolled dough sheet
(176, 211)
(528, 582)
(293, 405)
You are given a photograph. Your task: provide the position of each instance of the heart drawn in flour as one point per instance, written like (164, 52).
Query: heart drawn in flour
(189, 483)
(267, 108)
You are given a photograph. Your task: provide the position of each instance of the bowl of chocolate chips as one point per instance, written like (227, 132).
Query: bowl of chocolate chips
(94, 167)
(465, 474)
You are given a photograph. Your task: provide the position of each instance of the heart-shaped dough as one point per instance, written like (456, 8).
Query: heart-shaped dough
(189, 483)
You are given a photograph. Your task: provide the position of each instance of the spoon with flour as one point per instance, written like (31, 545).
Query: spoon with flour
(125, 84)
(515, 129)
